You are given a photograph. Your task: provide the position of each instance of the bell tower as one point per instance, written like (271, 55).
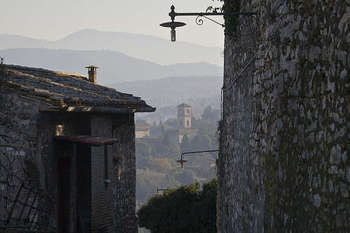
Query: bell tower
(184, 116)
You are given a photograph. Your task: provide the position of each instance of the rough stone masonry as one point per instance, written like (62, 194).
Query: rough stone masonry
(67, 153)
(284, 164)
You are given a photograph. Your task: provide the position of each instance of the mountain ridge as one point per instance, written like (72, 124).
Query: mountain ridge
(141, 46)
(114, 66)
(198, 91)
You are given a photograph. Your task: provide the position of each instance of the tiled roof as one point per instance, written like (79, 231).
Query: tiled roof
(68, 92)
(183, 105)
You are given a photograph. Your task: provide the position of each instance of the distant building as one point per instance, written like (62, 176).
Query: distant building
(68, 153)
(184, 116)
(142, 129)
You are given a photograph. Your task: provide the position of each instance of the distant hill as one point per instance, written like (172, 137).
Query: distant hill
(145, 47)
(13, 41)
(114, 66)
(167, 93)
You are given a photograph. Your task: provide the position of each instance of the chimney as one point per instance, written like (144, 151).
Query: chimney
(92, 73)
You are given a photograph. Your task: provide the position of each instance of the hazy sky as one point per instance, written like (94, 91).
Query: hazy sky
(54, 19)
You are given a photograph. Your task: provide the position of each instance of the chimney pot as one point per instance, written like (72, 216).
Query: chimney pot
(92, 73)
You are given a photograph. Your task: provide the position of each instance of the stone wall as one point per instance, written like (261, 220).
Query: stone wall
(124, 171)
(27, 136)
(101, 192)
(111, 208)
(284, 163)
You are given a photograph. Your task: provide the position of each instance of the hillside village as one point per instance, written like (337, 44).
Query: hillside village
(77, 156)
(159, 146)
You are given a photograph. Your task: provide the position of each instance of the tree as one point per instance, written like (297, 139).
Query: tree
(185, 209)
(210, 114)
(206, 115)
(161, 165)
(201, 142)
(207, 208)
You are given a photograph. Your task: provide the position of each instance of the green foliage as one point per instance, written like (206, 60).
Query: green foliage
(172, 123)
(161, 165)
(156, 156)
(146, 180)
(210, 114)
(185, 209)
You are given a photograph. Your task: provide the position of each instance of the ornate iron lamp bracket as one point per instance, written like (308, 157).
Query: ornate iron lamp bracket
(211, 11)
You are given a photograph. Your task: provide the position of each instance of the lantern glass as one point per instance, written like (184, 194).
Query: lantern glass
(173, 35)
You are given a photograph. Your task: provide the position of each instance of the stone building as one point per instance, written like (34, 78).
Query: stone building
(142, 129)
(284, 164)
(67, 154)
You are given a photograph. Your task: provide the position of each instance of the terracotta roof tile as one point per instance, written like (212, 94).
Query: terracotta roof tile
(69, 91)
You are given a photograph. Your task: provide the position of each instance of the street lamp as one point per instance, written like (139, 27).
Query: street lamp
(172, 25)
(161, 190)
(211, 11)
(182, 161)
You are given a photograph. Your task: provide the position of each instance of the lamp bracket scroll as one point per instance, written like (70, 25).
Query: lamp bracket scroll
(213, 10)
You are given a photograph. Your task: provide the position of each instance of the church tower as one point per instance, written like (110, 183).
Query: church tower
(184, 116)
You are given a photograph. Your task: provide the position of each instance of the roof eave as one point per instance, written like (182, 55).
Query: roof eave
(99, 109)
(146, 109)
